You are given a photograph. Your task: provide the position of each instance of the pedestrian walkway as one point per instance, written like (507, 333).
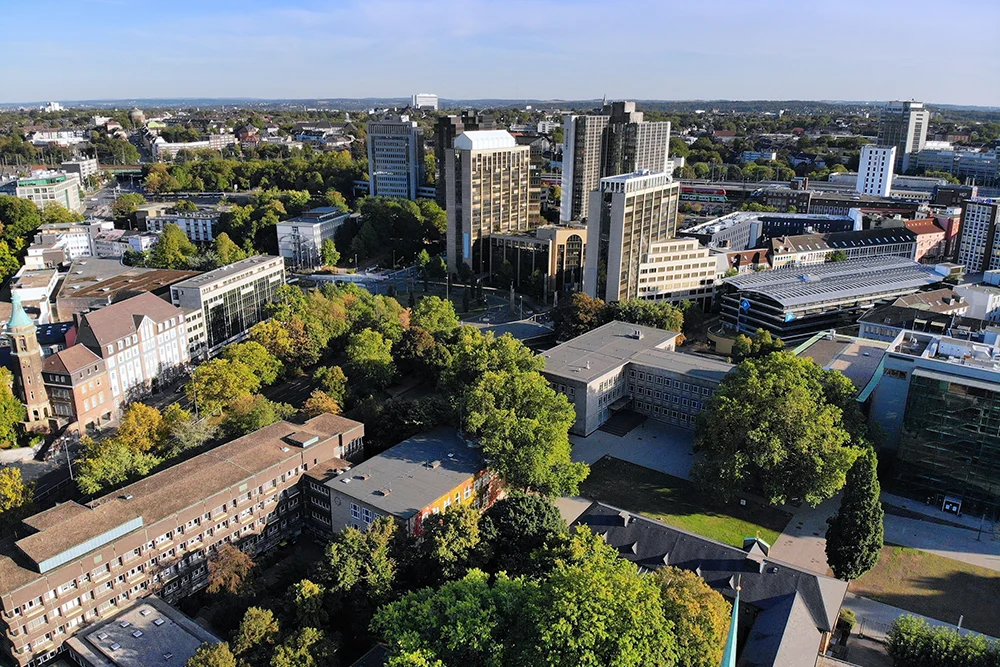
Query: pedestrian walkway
(935, 512)
(875, 618)
(959, 544)
(803, 542)
(652, 444)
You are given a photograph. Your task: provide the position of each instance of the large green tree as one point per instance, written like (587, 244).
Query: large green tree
(434, 315)
(516, 530)
(257, 632)
(854, 537)
(212, 655)
(226, 250)
(778, 426)
(523, 426)
(370, 362)
(329, 253)
(912, 642)
(262, 363)
(15, 496)
(12, 411)
(449, 540)
(577, 314)
(126, 204)
(307, 647)
(761, 344)
(215, 384)
(699, 613)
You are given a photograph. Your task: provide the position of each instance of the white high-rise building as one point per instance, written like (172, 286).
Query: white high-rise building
(395, 157)
(903, 125)
(427, 101)
(875, 170)
(628, 214)
(488, 180)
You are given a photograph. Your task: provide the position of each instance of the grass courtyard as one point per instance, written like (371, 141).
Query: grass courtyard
(680, 503)
(934, 586)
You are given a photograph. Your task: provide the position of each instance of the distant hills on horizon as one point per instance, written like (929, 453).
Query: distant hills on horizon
(359, 104)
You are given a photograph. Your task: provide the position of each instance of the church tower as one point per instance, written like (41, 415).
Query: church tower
(28, 375)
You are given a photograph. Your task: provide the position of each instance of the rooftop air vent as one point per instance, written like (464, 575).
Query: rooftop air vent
(158, 622)
(145, 612)
(124, 624)
(384, 492)
(115, 646)
(434, 464)
(168, 655)
(137, 634)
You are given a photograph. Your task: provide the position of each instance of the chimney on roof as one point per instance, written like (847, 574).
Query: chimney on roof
(625, 517)
(637, 334)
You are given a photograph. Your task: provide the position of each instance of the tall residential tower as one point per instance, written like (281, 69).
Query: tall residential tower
(447, 128)
(617, 141)
(903, 125)
(395, 157)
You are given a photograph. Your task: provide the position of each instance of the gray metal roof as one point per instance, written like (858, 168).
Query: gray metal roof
(603, 349)
(795, 607)
(410, 476)
(859, 278)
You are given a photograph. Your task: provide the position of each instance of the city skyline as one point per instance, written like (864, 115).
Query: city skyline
(101, 49)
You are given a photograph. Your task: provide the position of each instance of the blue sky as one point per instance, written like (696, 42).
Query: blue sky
(515, 49)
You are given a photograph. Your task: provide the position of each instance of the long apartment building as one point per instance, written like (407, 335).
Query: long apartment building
(77, 564)
(198, 226)
(223, 304)
(488, 182)
(629, 213)
(805, 249)
(979, 248)
(616, 141)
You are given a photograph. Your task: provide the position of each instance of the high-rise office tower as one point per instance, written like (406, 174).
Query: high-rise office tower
(445, 131)
(487, 178)
(395, 157)
(628, 214)
(903, 125)
(875, 170)
(979, 249)
(617, 141)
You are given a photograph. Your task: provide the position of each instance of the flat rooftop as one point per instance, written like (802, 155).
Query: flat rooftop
(745, 217)
(690, 365)
(857, 358)
(101, 280)
(412, 475)
(149, 634)
(857, 278)
(603, 349)
(228, 271)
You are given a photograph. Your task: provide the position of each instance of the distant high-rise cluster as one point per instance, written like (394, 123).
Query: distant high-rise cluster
(903, 125)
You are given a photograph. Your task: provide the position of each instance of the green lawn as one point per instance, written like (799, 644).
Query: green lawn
(680, 503)
(936, 587)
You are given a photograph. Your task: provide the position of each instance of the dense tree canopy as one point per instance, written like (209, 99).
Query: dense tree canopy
(855, 533)
(579, 313)
(12, 411)
(699, 613)
(781, 426)
(15, 496)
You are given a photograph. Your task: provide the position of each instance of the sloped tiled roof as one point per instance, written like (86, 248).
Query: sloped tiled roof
(121, 319)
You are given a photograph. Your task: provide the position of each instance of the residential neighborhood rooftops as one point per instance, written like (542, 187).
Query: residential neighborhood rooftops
(854, 279)
(943, 300)
(603, 349)
(794, 607)
(842, 240)
(410, 476)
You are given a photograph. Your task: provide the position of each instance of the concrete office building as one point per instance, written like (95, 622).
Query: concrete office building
(55, 243)
(794, 302)
(745, 230)
(223, 304)
(83, 168)
(615, 142)
(903, 125)
(488, 182)
(418, 478)
(806, 249)
(300, 240)
(629, 213)
(76, 565)
(445, 131)
(143, 341)
(198, 226)
(981, 167)
(875, 170)
(680, 270)
(556, 251)
(395, 157)
(936, 404)
(621, 366)
(45, 187)
(425, 101)
(979, 248)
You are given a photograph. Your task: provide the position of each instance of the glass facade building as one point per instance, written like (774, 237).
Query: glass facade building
(949, 445)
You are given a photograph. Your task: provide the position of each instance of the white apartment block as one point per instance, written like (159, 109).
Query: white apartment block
(300, 240)
(983, 300)
(51, 186)
(628, 215)
(83, 167)
(143, 340)
(56, 243)
(875, 170)
(428, 101)
(488, 191)
(198, 226)
(979, 249)
(680, 270)
(228, 301)
(395, 157)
